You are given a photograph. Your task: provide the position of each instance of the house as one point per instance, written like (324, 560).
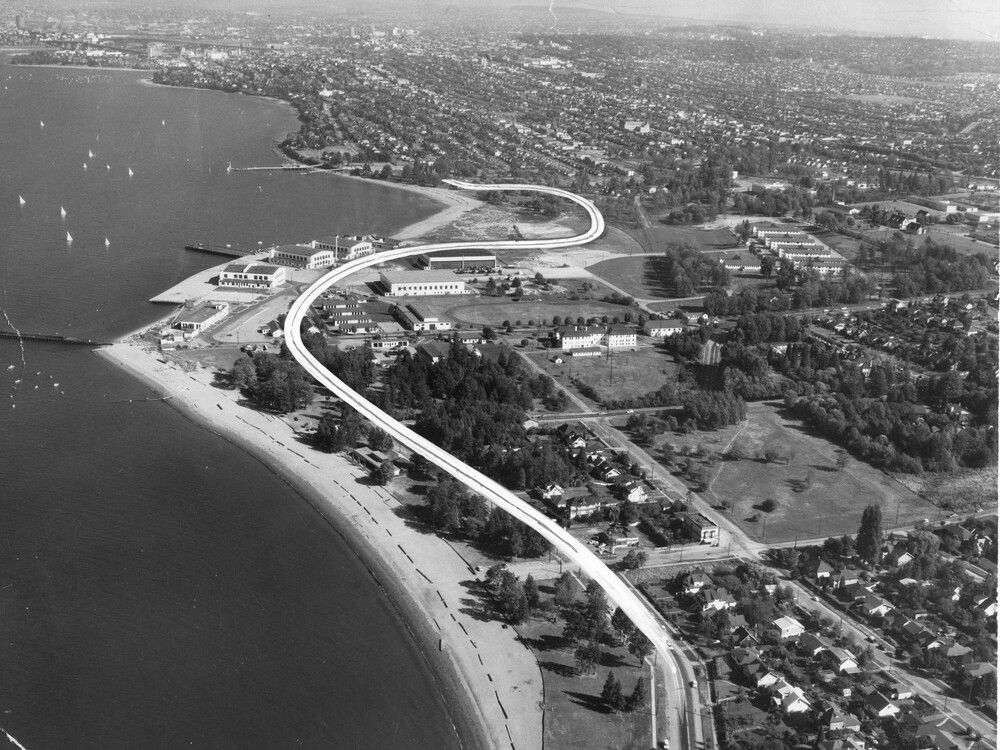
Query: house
(819, 569)
(980, 670)
(811, 644)
(898, 556)
(900, 692)
(848, 577)
(713, 599)
(787, 627)
(878, 706)
(794, 702)
(658, 329)
(873, 607)
(694, 581)
(836, 722)
(700, 527)
(842, 660)
(435, 351)
(767, 679)
(577, 502)
(987, 606)
(345, 247)
(631, 490)
(743, 636)
(744, 657)
(855, 591)
(551, 492)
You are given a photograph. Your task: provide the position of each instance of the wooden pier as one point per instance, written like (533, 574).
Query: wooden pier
(52, 338)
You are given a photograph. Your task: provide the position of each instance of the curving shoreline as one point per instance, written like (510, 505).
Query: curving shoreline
(418, 582)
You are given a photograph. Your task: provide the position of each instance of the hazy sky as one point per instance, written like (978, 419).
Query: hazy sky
(966, 19)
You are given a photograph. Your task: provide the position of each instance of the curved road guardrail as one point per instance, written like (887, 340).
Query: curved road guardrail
(616, 589)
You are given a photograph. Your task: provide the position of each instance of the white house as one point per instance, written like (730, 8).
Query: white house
(251, 276)
(302, 256)
(620, 337)
(788, 627)
(421, 283)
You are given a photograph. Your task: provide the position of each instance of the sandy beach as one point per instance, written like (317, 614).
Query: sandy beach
(491, 683)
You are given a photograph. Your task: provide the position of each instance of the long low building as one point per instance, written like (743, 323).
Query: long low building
(303, 256)
(252, 276)
(195, 318)
(458, 259)
(421, 283)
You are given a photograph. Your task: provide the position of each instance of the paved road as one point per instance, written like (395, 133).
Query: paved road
(577, 552)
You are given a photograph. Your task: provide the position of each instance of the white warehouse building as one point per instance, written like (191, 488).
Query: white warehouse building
(421, 283)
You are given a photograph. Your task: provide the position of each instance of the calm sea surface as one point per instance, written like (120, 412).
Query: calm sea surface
(159, 587)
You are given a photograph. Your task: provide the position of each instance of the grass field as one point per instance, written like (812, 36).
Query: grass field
(624, 375)
(701, 239)
(637, 276)
(478, 311)
(814, 497)
(575, 715)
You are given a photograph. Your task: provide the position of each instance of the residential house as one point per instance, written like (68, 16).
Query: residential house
(787, 627)
(714, 599)
(694, 581)
(879, 706)
(899, 556)
(811, 644)
(620, 337)
(873, 607)
(819, 569)
(842, 660)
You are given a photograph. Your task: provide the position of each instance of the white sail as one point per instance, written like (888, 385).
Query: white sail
(107, 242)
(229, 167)
(69, 238)
(21, 201)
(130, 172)
(90, 154)
(107, 166)
(62, 212)
(41, 123)
(85, 165)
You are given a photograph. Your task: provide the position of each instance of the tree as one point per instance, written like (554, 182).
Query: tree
(513, 599)
(531, 592)
(622, 625)
(565, 590)
(870, 535)
(420, 467)
(488, 333)
(638, 697)
(587, 657)
(383, 473)
(611, 693)
(841, 459)
(639, 646)
(328, 435)
(243, 374)
(634, 558)
(379, 439)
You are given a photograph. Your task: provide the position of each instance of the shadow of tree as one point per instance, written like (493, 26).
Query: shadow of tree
(591, 702)
(556, 667)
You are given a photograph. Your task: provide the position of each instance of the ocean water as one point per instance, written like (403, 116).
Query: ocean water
(158, 586)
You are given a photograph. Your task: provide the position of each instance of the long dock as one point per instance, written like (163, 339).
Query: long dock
(52, 338)
(278, 168)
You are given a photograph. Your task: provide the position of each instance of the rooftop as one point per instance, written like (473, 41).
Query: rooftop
(419, 277)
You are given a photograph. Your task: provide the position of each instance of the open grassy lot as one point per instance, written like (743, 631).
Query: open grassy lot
(493, 311)
(846, 246)
(720, 238)
(623, 375)
(575, 715)
(814, 498)
(638, 276)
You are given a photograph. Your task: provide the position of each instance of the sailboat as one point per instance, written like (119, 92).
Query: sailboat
(163, 123)
(62, 212)
(130, 172)
(107, 242)
(229, 167)
(41, 123)
(69, 238)
(90, 154)
(107, 166)
(21, 201)
(85, 166)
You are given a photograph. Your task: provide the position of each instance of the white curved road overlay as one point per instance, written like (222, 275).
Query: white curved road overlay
(685, 711)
